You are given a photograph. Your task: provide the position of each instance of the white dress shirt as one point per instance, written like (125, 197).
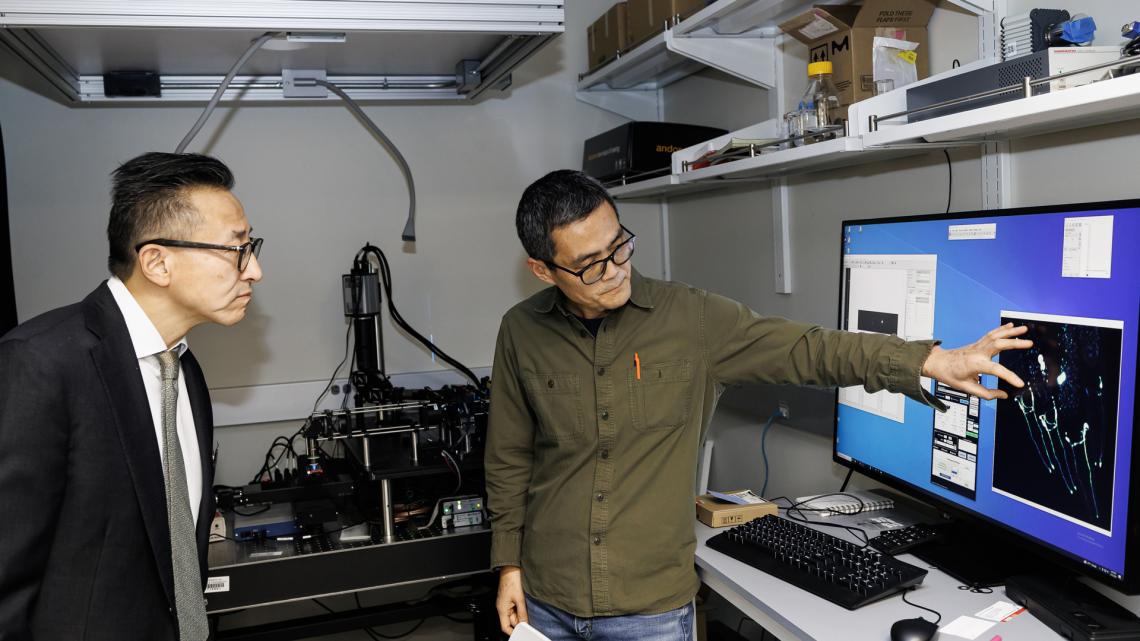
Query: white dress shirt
(148, 343)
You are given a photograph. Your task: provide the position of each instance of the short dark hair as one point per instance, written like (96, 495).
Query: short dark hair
(556, 200)
(149, 200)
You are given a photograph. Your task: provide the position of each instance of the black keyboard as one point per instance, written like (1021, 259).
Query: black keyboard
(898, 541)
(844, 573)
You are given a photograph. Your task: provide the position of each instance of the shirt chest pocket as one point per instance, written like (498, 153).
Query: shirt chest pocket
(557, 402)
(662, 397)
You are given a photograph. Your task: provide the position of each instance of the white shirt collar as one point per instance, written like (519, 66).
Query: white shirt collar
(144, 335)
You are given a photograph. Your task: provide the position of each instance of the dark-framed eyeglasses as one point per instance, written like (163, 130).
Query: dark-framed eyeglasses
(594, 272)
(244, 250)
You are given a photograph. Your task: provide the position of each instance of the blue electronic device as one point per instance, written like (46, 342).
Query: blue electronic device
(1055, 464)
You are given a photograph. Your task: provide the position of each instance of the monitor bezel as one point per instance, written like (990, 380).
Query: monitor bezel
(1130, 582)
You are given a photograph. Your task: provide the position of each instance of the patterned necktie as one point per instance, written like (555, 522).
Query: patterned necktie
(188, 599)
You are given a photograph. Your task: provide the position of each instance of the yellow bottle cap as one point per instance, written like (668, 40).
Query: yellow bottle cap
(816, 68)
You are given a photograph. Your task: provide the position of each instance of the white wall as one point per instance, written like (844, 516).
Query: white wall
(317, 187)
(722, 240)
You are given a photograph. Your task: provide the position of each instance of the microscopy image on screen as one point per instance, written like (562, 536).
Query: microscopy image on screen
(1055, 439)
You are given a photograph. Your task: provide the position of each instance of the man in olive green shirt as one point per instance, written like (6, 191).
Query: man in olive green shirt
(603, 388)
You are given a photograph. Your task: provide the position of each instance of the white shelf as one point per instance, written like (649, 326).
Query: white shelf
(1094, 104)
(820, 155)
(669, 185)
(735, 36)
(1099, 103)
(646, 67)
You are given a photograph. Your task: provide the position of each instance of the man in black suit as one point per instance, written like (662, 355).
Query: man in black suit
(105, 420)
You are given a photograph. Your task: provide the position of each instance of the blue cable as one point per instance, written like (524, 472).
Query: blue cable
(764, 449)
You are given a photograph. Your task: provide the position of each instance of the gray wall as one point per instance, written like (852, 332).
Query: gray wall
(722, 240)
(317, 187)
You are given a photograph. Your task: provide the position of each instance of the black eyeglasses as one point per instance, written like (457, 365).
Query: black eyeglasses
(594, 272)
(244, 250)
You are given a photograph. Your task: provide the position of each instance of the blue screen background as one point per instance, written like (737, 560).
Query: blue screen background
(1020, 270)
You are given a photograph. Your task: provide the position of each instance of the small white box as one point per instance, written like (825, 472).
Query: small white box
(1065, 59)
(524, 632)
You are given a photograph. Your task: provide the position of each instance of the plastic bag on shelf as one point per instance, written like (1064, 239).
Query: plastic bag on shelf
(894, 60)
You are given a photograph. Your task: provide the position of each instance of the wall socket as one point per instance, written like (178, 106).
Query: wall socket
(783, 411)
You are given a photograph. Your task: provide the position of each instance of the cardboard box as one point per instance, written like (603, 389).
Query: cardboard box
(845, 35)
(607, 36)
(648, 18)
(714, 512)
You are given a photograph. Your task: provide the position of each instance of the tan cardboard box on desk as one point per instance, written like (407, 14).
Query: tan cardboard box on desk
(714, 512)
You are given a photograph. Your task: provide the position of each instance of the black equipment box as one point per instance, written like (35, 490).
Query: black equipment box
(1002, 74)
(1073, 610)
(640, 150)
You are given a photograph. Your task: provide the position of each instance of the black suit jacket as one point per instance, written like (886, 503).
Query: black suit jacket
(84, 541)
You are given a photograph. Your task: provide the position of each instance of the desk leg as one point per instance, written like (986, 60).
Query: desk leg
(773, 627)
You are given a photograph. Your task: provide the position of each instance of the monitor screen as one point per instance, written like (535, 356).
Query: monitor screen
(1053, 463)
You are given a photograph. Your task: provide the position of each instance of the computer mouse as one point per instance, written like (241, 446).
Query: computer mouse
(913, 630)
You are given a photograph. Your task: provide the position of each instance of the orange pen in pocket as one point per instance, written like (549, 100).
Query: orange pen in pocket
(637, 365)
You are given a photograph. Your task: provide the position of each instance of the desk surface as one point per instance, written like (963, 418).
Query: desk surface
(794, 614)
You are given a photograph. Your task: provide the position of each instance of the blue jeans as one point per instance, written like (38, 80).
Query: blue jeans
(674, 625)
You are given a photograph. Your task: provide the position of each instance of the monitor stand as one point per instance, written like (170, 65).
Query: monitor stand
(977, 561)
(1073, 609)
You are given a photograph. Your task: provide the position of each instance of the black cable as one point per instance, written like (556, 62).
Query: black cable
(398, 636)
(921, 607)
(1133, 47)
(386, 278)
(950, 179)
(264, 508)
(846, 479)
(288, 441)
(858, 532)
(764, 449)
(328, 386)
(976, 588)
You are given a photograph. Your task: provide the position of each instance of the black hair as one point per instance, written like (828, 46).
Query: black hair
(556, 200)
(149, 200)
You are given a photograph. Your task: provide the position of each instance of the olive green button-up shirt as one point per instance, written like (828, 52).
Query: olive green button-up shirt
(593, 442)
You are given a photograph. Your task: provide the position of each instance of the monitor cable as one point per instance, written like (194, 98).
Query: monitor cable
(949, 178)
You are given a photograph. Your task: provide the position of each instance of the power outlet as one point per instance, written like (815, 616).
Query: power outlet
(783, 410)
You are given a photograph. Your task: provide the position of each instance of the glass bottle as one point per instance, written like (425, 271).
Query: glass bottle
(819, 107)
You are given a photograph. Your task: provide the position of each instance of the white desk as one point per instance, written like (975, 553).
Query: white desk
(792, 614)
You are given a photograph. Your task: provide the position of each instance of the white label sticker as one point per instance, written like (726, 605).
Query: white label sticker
(218, 584)
(818, 28)
(985, 231)
(1087, 249)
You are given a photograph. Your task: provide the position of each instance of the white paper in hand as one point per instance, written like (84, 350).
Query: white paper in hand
(524, 632)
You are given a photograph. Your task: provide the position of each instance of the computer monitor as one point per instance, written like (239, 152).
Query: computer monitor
(1054, 464)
